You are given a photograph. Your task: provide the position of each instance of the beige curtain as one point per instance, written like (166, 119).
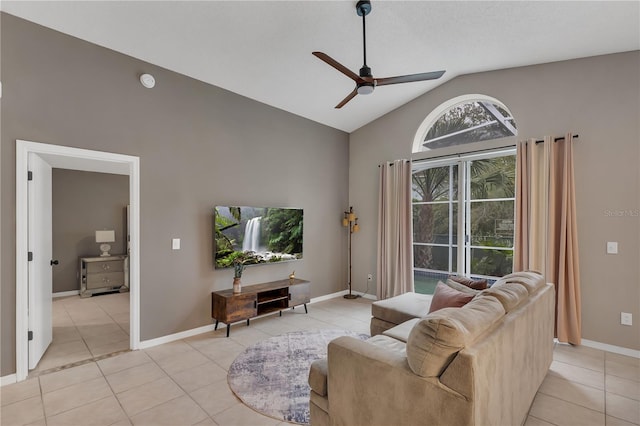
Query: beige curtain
(546, 237)
(395, 249)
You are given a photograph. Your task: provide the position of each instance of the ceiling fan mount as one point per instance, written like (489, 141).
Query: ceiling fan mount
(365, 82)
(363, 7)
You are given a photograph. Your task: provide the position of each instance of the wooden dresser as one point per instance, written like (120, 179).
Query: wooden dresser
(258, 299)
(102, 274)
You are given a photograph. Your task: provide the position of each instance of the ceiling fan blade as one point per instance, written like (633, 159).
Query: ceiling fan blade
(347, 99)
(409, 78)
(337, 65)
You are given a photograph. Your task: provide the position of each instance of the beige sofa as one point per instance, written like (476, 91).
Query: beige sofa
(477, 365)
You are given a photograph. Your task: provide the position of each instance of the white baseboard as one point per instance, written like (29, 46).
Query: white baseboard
(7, 380)
(66, 293)
(176, 336)
(328, 296)
(340, 294)
(207, 328)
(611, 348)
(368, 296)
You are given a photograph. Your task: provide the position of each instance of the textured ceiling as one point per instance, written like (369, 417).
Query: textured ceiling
(262, 50)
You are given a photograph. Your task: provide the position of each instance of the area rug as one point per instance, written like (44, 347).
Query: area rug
(272, 375)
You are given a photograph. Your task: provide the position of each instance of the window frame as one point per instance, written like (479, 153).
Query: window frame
(441, 109)
(464, 202)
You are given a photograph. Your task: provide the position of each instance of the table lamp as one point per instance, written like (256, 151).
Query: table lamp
(105, 237)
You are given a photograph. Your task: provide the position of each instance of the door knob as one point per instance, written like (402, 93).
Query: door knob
(54, 262)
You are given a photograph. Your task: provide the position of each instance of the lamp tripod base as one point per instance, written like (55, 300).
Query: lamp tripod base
(351, 296)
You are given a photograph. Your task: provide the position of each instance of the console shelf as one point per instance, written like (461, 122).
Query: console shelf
(258, 299)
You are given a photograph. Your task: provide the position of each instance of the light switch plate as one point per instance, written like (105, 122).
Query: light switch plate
(612, 247)
(175, 244)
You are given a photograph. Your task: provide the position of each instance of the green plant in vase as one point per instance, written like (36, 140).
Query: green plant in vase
(240, 261)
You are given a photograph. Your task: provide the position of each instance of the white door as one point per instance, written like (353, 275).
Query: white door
(41, 247)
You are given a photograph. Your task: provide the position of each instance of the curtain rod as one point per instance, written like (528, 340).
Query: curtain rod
(464, 153)
(391, 164)
(479, 150)
(557, 139)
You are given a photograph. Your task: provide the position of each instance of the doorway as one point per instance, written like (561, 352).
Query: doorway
(73, 159)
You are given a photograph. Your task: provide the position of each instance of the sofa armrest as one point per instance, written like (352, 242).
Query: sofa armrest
(370, 384)
(318, 376)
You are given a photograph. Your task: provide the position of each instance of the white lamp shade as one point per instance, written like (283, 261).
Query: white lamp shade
(105, 236)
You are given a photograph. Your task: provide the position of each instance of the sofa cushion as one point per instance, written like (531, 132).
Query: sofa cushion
(480, 284)
(390, 344)
(319, 402)
(401, 332)
(378, 326)
(402, 308)
(447, 297)
(318, 376)
(436, 339)
(461, 287)
(533, 281)
(511, 295)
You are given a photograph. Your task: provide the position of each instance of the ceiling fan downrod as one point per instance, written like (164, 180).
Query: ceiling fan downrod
(363, 8)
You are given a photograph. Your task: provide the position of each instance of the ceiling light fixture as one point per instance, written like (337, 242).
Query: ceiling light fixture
(365, 88)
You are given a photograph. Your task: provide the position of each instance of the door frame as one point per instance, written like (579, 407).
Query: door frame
(74, 159)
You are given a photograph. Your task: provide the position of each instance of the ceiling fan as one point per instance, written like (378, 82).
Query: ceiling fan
(365, 82)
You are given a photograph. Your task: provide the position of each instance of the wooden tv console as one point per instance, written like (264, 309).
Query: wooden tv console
(258, 299)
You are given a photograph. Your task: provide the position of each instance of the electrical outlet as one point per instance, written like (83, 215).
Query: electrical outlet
(626, 318)
(369, 277)
(612, 247)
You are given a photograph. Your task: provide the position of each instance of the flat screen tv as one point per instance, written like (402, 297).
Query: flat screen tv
(272, 234)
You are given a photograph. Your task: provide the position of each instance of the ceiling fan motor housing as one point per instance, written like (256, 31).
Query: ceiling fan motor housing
(365, 71)
(365, 87)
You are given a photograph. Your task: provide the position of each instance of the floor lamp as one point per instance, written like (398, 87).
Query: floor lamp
(350, 220)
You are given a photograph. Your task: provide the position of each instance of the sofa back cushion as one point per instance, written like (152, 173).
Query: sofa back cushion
(510, 294)
(436, 339)
(532, 280)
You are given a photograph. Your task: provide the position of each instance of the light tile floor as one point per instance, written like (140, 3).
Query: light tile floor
(86, 328)
(184, 382)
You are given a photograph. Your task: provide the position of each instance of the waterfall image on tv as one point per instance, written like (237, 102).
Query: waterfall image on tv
(271, 234)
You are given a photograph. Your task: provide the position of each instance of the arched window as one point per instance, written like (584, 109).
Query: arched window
(462, 120)
(463, 205)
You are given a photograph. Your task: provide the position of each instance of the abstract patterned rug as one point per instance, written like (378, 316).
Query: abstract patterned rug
(271, 376)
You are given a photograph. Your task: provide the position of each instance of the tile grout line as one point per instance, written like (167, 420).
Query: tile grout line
(66, 307)
(42, 401)
(202, 387)
(174, 382)
(74, 408)
(574, 403)
(542, 420)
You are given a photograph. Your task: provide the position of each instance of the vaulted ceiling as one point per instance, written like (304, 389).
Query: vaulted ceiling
(262, 50)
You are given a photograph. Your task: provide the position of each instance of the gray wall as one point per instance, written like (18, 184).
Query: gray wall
(199, 146)
(595, 97)
(84, 202)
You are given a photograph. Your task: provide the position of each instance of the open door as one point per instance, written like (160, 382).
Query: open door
(40, 251)
(34, 278)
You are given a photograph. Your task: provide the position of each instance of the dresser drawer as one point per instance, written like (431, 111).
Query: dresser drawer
(108, 266)
(108, 279)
